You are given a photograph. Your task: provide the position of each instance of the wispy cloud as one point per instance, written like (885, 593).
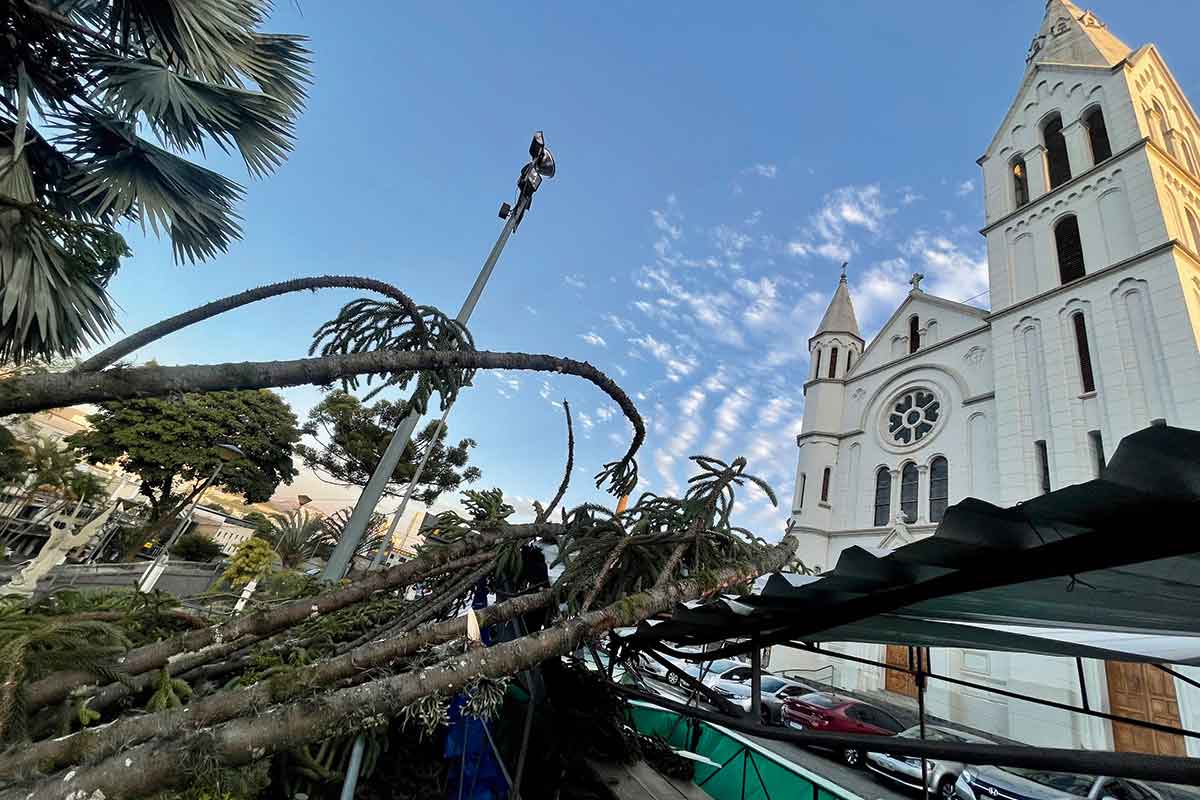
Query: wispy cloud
(509, 385)
(965, 188)
(677, 364)
(764, 170)
(575, 281)
(594, 339)
(828, 233)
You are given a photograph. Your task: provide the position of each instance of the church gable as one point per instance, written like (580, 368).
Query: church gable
(928, 318)
(1160, 99)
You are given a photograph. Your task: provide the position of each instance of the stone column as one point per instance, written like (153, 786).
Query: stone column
(1035, 169)
(894, 506)
(922, 494)
(1079, 148)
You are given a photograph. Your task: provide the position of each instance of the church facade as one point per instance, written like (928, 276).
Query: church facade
(1092, 200)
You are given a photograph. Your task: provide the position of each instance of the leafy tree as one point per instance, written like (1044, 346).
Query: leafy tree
(351, 438)
(196, 547)
(168, 442)
(99, 74)
(335, 523)
(13, 464)
(294, 536)
(253, 559)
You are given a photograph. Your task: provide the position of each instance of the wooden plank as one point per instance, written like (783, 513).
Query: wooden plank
(640, 782)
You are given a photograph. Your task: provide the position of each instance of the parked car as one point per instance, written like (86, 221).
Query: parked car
(906, 770)
(1016, 783)
(774, 691)
(834, 713)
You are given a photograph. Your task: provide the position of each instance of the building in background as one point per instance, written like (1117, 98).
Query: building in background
(1092, 198)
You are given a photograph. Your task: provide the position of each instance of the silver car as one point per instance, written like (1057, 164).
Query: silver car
(1018, 783)
(940, 773)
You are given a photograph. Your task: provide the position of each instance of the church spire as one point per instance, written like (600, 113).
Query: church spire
(839, 317)
(1071, 36)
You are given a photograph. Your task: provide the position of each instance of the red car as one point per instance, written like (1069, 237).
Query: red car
(824, 711)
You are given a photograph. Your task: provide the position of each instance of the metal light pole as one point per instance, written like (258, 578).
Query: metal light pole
(227, 453)
(541, 165)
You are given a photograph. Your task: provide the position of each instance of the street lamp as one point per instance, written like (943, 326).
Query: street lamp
(541, 165)
(226, 453)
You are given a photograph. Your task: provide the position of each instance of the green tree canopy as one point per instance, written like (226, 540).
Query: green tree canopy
(351, 437)
(294, 536)
(171, 442)
(13, 464)
(196, 547)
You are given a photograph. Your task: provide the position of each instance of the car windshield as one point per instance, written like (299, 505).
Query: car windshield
(715, 667)
(1063, 781)
(936, 735)
(772, 685)
(821, 700)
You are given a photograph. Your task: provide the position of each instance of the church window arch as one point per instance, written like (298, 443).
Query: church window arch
(1069, 245)
(1086, 377)
(1195, 229)
(1058, 163)
(825, 478)
(910, 481)
(1020, 179)
(1164, 127)
(803, 486)
(939, 488)
(849, 359)
(883, 495)
(914, 334)
(1189, 155)
(817, 365)
(1093, 120)
(833, 362)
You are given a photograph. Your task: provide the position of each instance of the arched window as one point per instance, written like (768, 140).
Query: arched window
(833, 363)
(909, 481)
(825, 485)
(817, 366)
(803, 486)
(1085, 354)
(1191, 218)
(939, 488)
(914, 334)
(883, 496)
(1058, 163)
(1188, 156)
(1098, 135)
(849, 357)
(1164, 127)
(1070, 250)
(1020, 182)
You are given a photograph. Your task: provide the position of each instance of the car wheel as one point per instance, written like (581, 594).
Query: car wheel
(851, 758)
(672, 679)
(946, 788)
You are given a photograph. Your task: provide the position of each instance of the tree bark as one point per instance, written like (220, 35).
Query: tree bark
(102, 742)
(56, 686)
(157, 764)
(145, 336)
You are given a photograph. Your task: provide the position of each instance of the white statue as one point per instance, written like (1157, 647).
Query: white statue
(63, 539)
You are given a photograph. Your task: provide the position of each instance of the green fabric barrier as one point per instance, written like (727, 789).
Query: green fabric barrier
(759, 769)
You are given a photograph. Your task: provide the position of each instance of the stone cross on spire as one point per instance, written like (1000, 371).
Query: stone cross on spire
(916, 281)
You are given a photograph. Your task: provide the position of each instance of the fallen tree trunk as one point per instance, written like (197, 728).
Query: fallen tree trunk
(96, 743)
(159, 764)
(466, 553)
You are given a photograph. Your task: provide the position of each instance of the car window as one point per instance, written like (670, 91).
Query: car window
(718, 667)
(772, 685)
(1125, 790)
(738, 674)
(860, 713)
(794, 691)
(821, 700)
(1079, 785)
(886, 721)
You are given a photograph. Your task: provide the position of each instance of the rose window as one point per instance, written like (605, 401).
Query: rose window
(913, 416)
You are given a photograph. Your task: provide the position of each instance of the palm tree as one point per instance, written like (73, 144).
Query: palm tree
(82, 81)
(51, 469)
(295, 536)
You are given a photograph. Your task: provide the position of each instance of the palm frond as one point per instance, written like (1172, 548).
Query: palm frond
(125, 174)
(201, 36)
(279, 64)
(186, 110)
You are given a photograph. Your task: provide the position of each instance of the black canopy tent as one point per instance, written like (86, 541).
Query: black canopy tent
(1107, 569)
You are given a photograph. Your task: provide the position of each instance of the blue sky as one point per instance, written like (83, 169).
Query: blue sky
(716, 165)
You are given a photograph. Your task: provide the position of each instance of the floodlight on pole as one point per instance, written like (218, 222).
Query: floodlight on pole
(541, 165)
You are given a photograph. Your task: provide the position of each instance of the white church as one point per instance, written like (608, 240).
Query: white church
(1092, 196)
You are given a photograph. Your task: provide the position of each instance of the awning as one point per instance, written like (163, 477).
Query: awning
(1108, 569)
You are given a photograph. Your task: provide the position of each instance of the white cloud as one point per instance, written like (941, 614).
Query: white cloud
(509, 385)
(828, 231)
(764, 297)
(531, 310)
(950, 271)
(965, 188)
(621, 324)
(575, 281)
(677, 364)
(765, 170)
(605, 413)
(546, 390)
(707, 308)
(728, 415)
(594, 339)
(908, 196)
